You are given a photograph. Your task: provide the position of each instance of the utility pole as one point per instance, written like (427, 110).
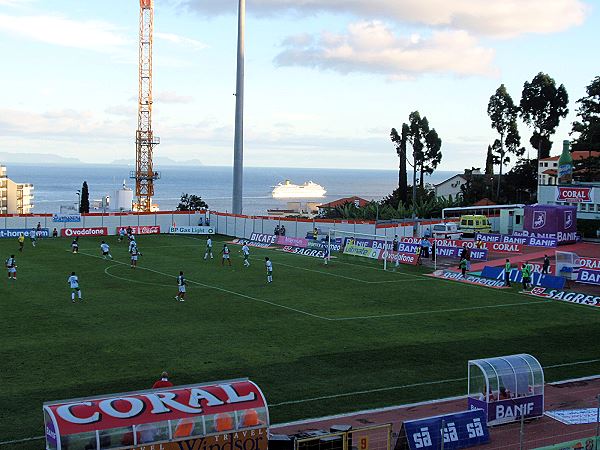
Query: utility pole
(238, 148)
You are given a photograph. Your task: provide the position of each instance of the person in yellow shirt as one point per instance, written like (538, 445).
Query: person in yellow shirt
(21, 240)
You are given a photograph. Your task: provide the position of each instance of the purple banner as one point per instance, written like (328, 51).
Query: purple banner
(477, 254)
(551, 221)
(403, 247)
(518, 238)
(292, 241)
(589, 276)
(510, 410)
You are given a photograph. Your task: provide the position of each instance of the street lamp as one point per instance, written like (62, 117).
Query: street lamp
(78, 200)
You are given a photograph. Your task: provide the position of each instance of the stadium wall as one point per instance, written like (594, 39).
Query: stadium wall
(226, 224)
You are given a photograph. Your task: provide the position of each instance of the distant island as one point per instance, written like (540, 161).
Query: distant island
(36, 158)
(159, 161)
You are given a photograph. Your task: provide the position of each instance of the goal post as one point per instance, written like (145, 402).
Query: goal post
(383, 240)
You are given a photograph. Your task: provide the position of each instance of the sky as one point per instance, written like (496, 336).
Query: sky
(326, 80)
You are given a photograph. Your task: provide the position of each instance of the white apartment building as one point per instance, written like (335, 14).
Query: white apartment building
(586, 196)
(15, 198)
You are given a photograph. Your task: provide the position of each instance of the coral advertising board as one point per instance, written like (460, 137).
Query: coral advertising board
(574, 194)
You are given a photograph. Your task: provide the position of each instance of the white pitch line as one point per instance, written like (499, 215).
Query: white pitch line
(431, 312)
(406, 386)
(289, 308)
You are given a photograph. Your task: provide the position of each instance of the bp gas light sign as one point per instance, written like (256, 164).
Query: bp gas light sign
(191, 230)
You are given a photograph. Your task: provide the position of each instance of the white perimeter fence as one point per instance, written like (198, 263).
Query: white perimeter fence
(225, 224)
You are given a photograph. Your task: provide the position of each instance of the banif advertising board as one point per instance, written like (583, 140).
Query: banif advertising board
(551, 221)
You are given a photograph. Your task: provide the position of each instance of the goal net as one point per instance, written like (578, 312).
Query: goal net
(365, 245)
(567, 264)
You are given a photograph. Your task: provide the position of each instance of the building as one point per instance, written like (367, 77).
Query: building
(584, 195)
(357, 201)
(15, 198)
(452, 186)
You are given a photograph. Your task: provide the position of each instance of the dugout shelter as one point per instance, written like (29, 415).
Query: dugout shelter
(506, 387)
(220, 415)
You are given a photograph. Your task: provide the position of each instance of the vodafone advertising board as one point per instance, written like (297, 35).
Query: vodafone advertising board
(149, 229)
(82, 232)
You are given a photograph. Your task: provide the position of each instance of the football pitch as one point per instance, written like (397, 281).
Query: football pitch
(319, 340)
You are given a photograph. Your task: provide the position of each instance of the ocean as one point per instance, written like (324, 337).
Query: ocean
(56, 185)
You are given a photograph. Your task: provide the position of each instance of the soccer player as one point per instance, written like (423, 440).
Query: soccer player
(463, 266)
(105, 250)
(121, 234)
(11, 267)
(132, 245)
(208, 248)
(134, 252)
(74, 283)
(507, 269)
(181, 282)
(75, 245)
(33, 237)
(163, 382)
(246, 252)
(326, 254)
(21, 240)
(526, 275)
(225, 253)
(269, 266)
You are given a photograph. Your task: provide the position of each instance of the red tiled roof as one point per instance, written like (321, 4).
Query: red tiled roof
(343, 201)
(577, 155)
(551, 172)
(484, 202)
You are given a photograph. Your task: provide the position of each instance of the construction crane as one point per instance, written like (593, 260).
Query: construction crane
(144, 174)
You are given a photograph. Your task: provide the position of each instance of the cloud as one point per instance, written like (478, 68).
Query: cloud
(58, 30)
(172, 97)
(180, 40)
(372, 47)
(498, 18)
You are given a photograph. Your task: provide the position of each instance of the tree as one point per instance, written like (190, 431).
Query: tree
(191, 203)
(400, 144)
(503, 114)
(521, 182)
(588, 125)
(426, 145)
(542, 107)
(490, 161)
(84, 204)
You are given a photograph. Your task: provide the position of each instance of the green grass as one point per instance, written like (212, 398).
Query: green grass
(288, 336)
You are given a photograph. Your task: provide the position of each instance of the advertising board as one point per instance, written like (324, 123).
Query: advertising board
(400, 257)
(16, 232)
(518, 238)
(510, 410)
(292, 241)
(449, 431)
(64, 218)
(574, 194)
(537, 278)
(566, 296)
(192, 230)
(589, 276)
(263, 238)
(142, 229)
(551, 221)
(304, 251)
(359, 250)
(469, 279)
(83, 232)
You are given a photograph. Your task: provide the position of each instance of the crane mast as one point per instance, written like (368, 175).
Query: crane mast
(144, 174)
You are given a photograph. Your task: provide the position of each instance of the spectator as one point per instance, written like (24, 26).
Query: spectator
(223, 422)
(463, 267)
(526, 275)
(315, 234)
(282, 230)
(427, 233)
(433, 250)
(54, 233)
(425, 246)
(395, 244)
(163, 382)
(276, 232)
(546, 265)
(504, 394)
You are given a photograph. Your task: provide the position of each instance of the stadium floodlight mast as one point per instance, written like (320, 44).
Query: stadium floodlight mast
(374, 237)
(238, 146)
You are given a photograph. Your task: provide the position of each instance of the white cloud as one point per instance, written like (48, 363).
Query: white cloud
(372, 47)
(181, 40)
(498, 18)
(58, 30)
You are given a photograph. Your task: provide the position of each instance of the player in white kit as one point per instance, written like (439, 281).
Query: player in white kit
(73, 281)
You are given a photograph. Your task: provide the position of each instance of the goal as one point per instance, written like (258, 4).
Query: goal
(366, 240)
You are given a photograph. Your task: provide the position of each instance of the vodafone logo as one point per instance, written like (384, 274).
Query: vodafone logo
(77, 232)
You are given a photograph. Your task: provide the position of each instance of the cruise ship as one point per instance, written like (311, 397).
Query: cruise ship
(290, 190)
